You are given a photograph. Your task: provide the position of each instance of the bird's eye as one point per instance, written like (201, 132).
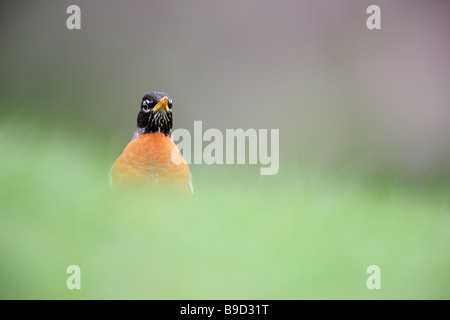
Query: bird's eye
(146, 105)
(170, 103)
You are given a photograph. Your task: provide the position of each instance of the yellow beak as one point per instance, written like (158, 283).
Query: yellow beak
(161, 104)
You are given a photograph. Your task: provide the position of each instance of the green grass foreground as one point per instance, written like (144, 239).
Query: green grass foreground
(297, 235)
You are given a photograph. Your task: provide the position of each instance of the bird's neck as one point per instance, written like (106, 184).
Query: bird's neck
(144, 131)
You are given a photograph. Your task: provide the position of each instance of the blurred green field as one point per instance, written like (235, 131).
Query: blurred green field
(301, 234)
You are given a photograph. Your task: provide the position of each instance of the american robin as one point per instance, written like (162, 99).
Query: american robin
(152, 159)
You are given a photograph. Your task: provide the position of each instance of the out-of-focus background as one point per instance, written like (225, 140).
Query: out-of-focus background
(364, 120)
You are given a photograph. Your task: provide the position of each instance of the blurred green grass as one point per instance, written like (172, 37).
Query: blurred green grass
(298, 235)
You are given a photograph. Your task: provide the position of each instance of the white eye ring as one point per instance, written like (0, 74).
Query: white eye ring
(146, 105)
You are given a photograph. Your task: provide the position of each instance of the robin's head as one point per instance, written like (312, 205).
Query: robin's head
(155, 114)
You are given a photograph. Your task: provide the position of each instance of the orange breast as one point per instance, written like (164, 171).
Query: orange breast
(152, 160)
